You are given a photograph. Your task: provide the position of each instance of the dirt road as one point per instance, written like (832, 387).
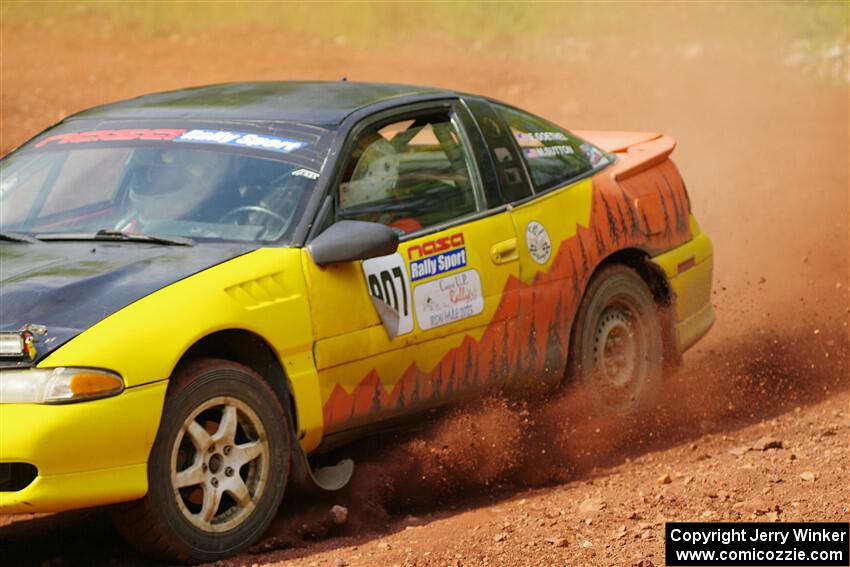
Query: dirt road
(763, 129)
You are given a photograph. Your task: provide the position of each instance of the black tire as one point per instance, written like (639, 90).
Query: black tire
(616, 347)
(246, 466)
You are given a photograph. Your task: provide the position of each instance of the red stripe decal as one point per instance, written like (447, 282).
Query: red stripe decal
(112, 136)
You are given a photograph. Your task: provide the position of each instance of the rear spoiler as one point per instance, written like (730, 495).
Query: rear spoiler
(646, 148)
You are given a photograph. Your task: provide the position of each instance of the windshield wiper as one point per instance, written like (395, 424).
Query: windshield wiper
(106, 234)
(17, 237)
(122, 236)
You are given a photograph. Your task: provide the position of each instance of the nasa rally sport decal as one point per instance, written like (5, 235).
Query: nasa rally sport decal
(538, 242)
(386, 280)
(437, 256)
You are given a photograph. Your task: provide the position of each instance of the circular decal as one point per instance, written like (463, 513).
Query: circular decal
(538, 242)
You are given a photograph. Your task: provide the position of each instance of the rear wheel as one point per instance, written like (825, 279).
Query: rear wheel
(616, 345)
(218, 467)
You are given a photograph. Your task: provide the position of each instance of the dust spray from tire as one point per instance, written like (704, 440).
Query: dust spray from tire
(501, 445)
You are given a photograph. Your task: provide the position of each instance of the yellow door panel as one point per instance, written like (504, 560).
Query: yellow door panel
(547, 221)
(331, 289)
(389, 324)
(547, 297)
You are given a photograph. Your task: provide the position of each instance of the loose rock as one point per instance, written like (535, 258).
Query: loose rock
(591, 506)
(339, 514)
(620, 532)
(765, 443)
(739, 451)
(755, 506)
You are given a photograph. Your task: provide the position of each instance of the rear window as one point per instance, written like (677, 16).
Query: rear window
(553, 155)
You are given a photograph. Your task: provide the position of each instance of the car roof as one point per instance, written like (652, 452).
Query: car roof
(321, 103)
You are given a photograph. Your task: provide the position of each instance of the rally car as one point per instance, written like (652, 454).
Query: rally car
(204, 289)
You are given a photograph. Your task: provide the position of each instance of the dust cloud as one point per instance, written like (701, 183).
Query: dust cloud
(499, 445)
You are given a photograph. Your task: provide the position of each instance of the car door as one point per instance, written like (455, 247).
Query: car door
(401, 333)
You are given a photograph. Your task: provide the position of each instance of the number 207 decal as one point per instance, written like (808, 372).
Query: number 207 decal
(386, 280)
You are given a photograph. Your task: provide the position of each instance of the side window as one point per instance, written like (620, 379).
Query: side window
(553, 155)
(408, 175)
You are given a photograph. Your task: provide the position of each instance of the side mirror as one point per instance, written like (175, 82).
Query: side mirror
(350, 240)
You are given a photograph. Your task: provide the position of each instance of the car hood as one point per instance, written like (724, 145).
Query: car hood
(67, 287)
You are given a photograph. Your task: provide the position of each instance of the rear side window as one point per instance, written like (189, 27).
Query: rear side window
(553, 155)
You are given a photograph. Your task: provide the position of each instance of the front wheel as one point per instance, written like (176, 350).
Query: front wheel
(218, 468)
(616, 345)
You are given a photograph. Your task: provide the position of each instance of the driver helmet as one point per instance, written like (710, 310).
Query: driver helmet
(169, 184)
(374, 176)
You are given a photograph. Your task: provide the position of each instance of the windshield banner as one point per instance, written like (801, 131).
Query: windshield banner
(218, 137)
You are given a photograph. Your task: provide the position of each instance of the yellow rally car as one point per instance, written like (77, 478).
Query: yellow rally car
(201, 288)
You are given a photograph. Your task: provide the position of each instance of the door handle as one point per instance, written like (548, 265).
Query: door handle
(504, 251)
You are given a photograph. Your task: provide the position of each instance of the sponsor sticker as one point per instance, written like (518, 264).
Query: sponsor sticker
(548, 151)
(111, 136)
(386, 280)
(540, 136)
(596, 157)
(309, 174)
(240, 139)
(538, 242)
(448, 299)
(429, 247)
(439, 264)
(437, 256)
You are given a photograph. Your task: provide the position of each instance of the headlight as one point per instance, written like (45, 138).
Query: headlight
(57, 385)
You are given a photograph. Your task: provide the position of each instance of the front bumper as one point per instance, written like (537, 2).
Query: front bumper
(86, 454)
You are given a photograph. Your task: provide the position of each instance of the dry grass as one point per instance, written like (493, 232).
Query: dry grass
(525, 27)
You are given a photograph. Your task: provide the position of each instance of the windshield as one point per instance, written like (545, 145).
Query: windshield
(201, 184)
